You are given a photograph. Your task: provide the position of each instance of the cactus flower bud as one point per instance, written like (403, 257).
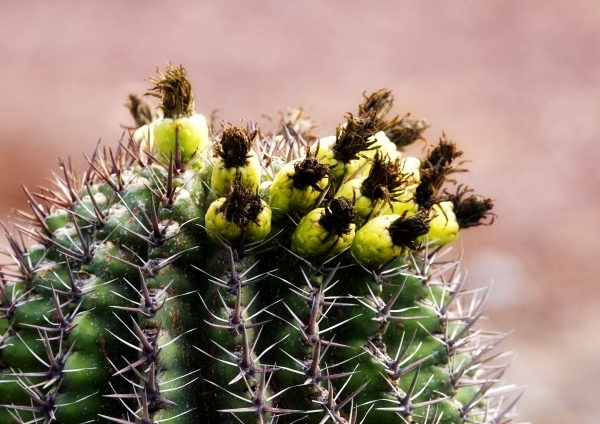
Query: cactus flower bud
(240, 217)
(443, 225)
(325, 231)
(235, 159)
(297, 186)
(182, 132)
(386, 237)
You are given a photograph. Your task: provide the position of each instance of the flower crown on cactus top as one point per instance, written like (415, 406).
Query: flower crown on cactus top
(202, 274)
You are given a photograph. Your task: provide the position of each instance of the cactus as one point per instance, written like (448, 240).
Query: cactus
(222, 275)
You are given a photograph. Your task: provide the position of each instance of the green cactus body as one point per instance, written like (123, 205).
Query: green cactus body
(145, 297)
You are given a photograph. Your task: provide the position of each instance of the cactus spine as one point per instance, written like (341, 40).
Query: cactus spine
(222, 276)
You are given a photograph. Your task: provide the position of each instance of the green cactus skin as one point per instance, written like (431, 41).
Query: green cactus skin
(133, 305)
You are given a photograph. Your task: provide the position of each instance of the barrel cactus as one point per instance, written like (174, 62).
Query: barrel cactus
(217, 273)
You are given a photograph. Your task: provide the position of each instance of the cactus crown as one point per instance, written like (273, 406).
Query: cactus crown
(177, 282)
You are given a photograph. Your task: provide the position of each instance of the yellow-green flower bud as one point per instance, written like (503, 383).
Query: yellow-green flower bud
(444, 226)
(297, 186)
(383, 185)
(363, 205)
(192, 133)
(352, 140)
(386, 237)
(258, 230)
(238, 218)
(324, 152)
(182, 132)
(382, 145)
(236, 159)
(404, 203)
(325, 232)
(218, 224)
(373, 245)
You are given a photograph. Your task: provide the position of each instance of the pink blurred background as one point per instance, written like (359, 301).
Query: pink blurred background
(515, 83)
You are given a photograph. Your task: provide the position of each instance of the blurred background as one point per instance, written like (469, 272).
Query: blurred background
(515, 83)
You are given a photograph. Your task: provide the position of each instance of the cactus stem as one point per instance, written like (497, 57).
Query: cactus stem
(405, 404)
(179, 378)
(150, 351)
(319, 269)
(74, 292)
(259, 401)
(313, 373)
(157, 236)
(478, 360)
(89, 221)
(144, 419)
(245, 364)
(153, 266)
(100, 216)
(331, 408)
(125, 219)
(46, 402)
(9, 305)
(64, 325)
(458, 338)
(86, 249)
(166, 194)
(100, 170)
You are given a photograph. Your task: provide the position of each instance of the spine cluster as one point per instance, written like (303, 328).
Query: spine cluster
(205, 274)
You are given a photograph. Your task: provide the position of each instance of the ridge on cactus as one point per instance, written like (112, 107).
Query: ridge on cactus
(202, 273)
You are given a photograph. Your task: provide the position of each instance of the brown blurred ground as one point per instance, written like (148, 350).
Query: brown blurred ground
(516, 83)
